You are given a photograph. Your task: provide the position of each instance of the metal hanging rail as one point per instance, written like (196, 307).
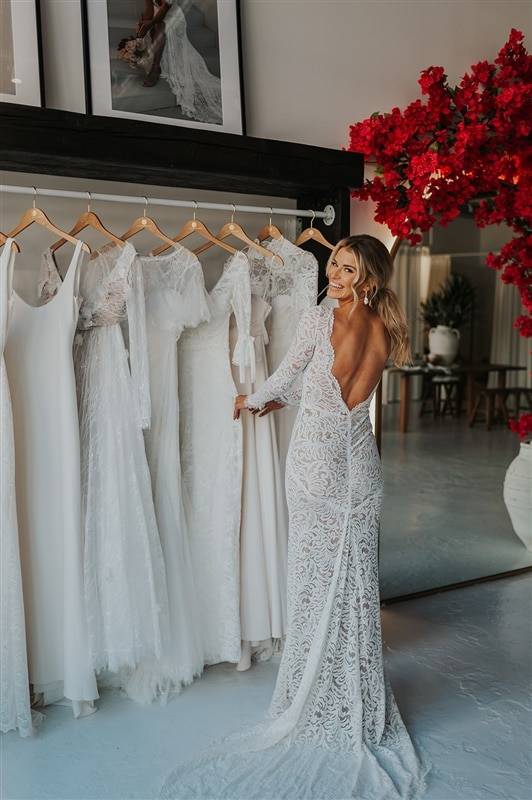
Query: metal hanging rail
(327, 215)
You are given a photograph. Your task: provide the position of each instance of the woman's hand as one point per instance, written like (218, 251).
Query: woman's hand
(240, 405)
(271, 405)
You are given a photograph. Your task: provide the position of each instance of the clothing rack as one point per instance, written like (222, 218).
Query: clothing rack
(328, 214)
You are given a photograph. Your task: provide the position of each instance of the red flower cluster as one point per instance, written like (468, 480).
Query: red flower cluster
(522, 426)
(470, 144)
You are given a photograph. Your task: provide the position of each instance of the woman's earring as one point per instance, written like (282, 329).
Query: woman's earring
(366, 301)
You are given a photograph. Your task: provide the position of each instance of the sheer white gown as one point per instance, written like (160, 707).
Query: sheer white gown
(333, 729)
(175, 299)
(211, 457)
(15, 710)
(124, 572)
(197, 91)
(40, 371)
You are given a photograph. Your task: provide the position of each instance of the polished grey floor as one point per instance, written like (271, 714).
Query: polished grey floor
(444, 518)
(460, 664)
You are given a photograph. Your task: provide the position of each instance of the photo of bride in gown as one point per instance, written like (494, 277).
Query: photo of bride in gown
(333, 729)
(169, 63)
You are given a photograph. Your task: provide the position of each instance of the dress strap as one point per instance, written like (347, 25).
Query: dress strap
(73, 268)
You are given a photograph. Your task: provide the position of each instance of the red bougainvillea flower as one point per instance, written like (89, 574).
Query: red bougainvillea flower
(463, 146)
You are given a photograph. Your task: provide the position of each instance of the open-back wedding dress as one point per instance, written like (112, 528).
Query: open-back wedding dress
(333, 729)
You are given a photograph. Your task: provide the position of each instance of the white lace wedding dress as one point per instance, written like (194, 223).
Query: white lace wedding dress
(175, 299)
(124, 573)
(15, 713)
(197, 91)
(264, 523)
(333, 729)
(292, 289)
(211, 457)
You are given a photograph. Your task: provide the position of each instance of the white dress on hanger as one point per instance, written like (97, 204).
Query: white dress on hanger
(197, 91)
(175, 299)
(211, 457)
(43, 393)
(124, 573)
(15, 712)
(293, 289)
(264, 523)
(333, 729)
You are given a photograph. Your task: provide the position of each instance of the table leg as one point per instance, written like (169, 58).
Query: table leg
(470, 391)
(404, 402)
(501, 384)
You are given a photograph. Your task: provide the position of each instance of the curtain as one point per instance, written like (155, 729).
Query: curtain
(507, 345)
(417, 274)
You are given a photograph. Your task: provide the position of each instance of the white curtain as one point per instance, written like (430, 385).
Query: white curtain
(417, 274)
(507, 345)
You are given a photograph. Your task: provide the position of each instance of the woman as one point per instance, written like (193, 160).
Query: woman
(197, 91)
(333, 728)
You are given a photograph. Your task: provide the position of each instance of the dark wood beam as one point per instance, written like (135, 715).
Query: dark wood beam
(54, 142)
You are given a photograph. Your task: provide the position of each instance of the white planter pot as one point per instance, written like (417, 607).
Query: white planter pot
(443, 342)
(518, 493)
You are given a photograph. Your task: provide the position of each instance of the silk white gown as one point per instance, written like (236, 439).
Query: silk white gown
(197, 91)
(15, 712)
(211, 457)
(43, 392)
(264, 523)
(176, 299)
(333, 729)
(124, 573)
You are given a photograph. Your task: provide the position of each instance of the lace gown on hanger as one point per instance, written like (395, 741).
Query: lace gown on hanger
(197, 91)
(124, 573)
(175, 299)
(264, 523)
(293, 289)
(15, 710)
(211, 457)
(43, 392)
(333, 729)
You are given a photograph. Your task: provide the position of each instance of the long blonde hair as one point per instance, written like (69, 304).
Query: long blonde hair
(375, 269)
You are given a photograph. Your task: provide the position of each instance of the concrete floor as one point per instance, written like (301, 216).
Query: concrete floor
(444, 518)
(460, 664)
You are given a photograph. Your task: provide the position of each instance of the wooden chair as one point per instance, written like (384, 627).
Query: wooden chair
(487, 398)
(446, 395)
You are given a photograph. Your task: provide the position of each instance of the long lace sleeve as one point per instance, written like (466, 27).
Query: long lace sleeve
(138, 342)
(244, 351)
(285, 383)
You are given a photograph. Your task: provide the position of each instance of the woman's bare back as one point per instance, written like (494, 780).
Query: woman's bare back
(361, 347)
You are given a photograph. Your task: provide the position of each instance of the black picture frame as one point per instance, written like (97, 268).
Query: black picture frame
(24, 27)
(92, 84)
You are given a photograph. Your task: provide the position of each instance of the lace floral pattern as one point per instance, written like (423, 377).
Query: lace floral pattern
(333, 729)
(175, 299)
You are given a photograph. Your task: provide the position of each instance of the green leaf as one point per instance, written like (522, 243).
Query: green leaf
(375, 114)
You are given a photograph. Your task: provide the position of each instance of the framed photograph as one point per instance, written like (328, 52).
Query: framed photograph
(21, 73)
(171, 61)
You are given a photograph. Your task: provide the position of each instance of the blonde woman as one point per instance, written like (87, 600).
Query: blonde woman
(333, 728)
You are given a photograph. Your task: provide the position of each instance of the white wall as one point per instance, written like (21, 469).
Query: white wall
(313, 67)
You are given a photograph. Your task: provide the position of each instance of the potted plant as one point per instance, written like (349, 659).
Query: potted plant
(518, 482)
(444, 312)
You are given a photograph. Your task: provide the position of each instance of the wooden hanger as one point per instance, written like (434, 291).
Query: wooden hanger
(14, 246)
(37, 215)
(145, 223)
(88, 220)
(232, 228)
(312, 234)
(269, 231)
(195, 226)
